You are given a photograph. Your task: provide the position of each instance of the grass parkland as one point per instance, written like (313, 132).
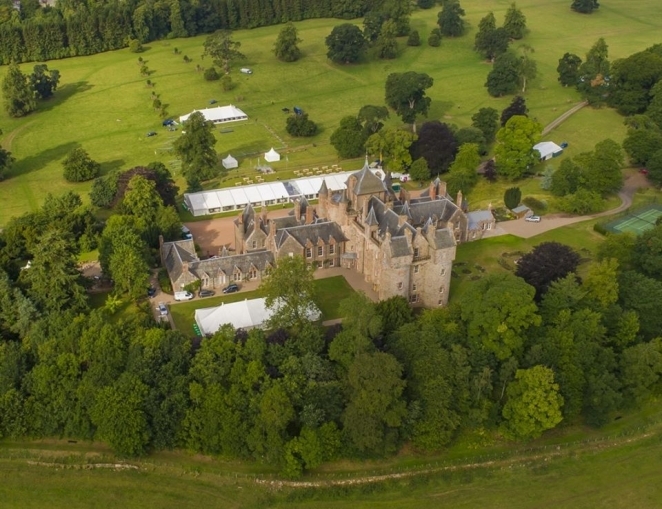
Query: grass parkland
(104, 105)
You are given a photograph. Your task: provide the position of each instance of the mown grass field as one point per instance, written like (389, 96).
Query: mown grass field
(104, 104)
(330, 291)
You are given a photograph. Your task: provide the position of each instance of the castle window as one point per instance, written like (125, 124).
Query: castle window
(441, 290)
(320, 250)
(416, 269)
(254, 244)
(236, 276)
(309, 252)
(332, 262)
(252, 274)
(400, 286)
(440, 302)
(414, 287)
(443, 271)
(416, 252)
(332, 249)
(413, 298)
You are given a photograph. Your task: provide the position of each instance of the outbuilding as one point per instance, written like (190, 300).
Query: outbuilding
(548, 150)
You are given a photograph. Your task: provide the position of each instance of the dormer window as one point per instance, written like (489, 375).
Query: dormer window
(416, 252)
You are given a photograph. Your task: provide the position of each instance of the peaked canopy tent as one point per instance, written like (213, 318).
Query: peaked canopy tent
(272, 156)
(230, 162)
(547, 150)
(219, 114)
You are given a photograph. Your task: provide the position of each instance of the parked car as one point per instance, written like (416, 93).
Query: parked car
(206, 293)
(168, 122)
(151, 291)
(231, 288)
(246, 70)
(151, 133)
(186, 233)
(643, 171)
(532, 219)
(163, 310)
(183, 296)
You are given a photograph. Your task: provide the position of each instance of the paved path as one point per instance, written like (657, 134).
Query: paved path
(556, 122)
(524, 229)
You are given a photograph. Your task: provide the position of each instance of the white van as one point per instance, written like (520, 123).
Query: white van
(183, 295)
(246, 70)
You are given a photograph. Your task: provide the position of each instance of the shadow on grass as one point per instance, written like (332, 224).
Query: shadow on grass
(39, 161)
(108, 166)
(63, 93)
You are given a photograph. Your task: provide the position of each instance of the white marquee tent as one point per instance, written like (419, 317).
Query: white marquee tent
(219, 114)
(268, 193)
(230, 162)
(246, 314)
(272, 156)
(547, 150)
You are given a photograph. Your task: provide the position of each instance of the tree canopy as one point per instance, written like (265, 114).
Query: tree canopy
(504, 77)
(195, 147)
(18, 96)
(79, 167)
(222, 49)
(450, 19)
(514, 151)
(548, 262)
(286, 47)
(437, 144)
(405, 93)
(346, 44)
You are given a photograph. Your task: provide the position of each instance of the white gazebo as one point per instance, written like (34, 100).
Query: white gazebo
(230, 162)
(272, 156)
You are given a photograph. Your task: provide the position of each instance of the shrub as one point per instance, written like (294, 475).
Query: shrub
(600, 228)
(512, 197)
(434, 40)
(226, 83)
(164, 281)
(135, 46)
(300, 125)
(414, 38)
(534, 204)
(79, 167)
(581, 202)
(211, 74)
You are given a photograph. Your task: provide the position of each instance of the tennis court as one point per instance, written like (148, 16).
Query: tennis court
(637, 221)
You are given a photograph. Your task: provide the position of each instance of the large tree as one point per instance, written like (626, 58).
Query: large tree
(450, 19)
(371, 117)
(387, 44)
(405, 93)
(486, 119)
(437, 144)
(516, 107)
(504, 77)
(490, 41)
(584, 6)
(515, 22)
(16, 91)
(345, 44)
(462, 175)
(376, 408)
(223, 51)
(195, 147)
(527, 67)
(592, 73)
(349, 139)
(546, 263)
(498, 310)
(44, 82)
(392, 145)
(632, 80)
(290, 291)
(286, 47)
(79, 167)
(534, 403)
(568, 69)
(514, 151)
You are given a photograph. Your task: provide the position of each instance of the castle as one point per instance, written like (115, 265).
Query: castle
(401, 245)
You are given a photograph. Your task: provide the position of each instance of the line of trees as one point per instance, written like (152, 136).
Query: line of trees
(72, 28)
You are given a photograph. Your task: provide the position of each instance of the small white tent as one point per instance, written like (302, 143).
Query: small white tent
(230, 162)
(272, 156)
(547, 150)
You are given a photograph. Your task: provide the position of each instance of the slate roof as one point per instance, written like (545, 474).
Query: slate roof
(443, 238)
(400, 247)
(175, 253)
(212, 267)
(367, 182)
(311, 232)
(475, 217)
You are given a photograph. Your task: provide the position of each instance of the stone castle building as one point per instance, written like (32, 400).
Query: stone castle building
(401, 245)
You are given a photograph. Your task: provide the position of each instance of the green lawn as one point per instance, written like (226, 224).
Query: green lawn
(330, 291)
(104, 105)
